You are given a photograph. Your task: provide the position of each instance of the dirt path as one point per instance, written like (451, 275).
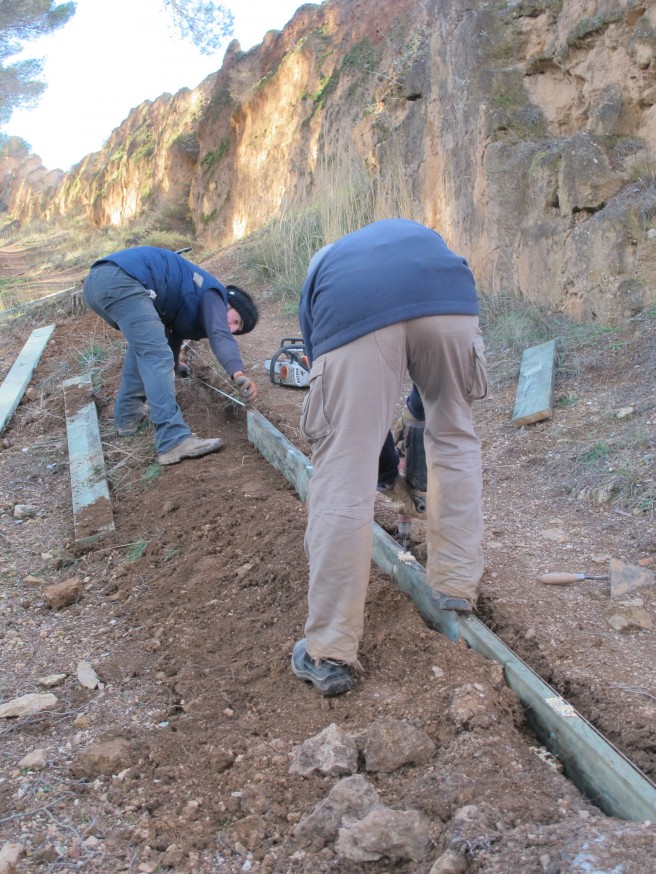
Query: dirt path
(189, 612)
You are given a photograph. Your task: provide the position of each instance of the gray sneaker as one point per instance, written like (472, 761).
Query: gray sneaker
(328, 676)
(191, 447)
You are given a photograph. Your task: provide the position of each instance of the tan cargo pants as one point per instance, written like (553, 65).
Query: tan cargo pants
(345, 418)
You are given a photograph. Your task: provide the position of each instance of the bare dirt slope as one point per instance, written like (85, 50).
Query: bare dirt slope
(189, 611)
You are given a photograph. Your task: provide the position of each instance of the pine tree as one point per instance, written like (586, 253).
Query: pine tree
(21, 21)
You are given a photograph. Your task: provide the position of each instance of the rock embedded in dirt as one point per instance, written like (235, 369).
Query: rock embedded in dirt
(173, 857)
(108, 757)
(27, 705)
(62, 594)
(249, 832)
(470, 706)
(629, 618)
(392, 743)
(34, 761)
(332, 752)
(449, 863)
(24, 511)
(87, 676)
(9, 856)
(396, 834)
(52, 680)
(221, 760)
(353, 797)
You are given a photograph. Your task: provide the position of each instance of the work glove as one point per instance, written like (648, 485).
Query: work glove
(183, 371)
(406, 500)
(246, 388)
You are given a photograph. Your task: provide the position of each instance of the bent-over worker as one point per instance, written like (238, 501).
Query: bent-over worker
(387, 298)
(158, 299)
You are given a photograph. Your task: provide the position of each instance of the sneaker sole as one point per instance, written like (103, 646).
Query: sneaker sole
(328, 690)
(457, 605)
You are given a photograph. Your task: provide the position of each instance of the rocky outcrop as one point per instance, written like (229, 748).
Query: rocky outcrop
(525, 132)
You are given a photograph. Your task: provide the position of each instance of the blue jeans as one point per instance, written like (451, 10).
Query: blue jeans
(148, 372)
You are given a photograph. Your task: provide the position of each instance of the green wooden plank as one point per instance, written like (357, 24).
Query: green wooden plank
(410, 577)
(92, 509)
(17, 380)
(279, 452)
(534, 398)
(599, 770)
(607, 777)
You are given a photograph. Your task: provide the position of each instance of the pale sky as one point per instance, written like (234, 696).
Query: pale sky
(110, 57)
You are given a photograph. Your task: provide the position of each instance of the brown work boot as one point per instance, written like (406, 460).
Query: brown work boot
(191, 447)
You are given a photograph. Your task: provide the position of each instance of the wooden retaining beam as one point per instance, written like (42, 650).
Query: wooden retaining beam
(18, 378)
(92, 509)
(599, 770)
(534, 399)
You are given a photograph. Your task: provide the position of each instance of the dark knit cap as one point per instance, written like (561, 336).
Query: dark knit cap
(241, 301)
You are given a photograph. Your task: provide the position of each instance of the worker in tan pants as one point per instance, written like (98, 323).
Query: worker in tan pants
(354, 389)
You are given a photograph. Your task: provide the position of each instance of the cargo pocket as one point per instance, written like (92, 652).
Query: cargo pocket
(478, 389)
(314, 422)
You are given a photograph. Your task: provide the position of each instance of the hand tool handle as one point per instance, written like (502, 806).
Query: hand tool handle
(558, 579)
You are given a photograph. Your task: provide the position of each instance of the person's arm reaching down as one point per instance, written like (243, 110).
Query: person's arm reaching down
(224, 346)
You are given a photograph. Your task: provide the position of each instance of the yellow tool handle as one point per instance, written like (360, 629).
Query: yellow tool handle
(561, 579)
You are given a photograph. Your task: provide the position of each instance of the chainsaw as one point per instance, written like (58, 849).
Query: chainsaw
(289, 365)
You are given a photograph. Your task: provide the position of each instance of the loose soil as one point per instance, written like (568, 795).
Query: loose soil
(189, 611)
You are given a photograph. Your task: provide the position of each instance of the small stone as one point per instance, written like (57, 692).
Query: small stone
(63, 594)
(108, 757)
(26, 705)
(250, 831)
(24, 511)
(242, 571)
(52, 680)
(9, 856)
(396, 834)
(173, 857)
(449, 863)
(392, 743)
(352, 797)
(87, 676)
(81, 721)
(331, 752)
(34, 761)
(629, 619)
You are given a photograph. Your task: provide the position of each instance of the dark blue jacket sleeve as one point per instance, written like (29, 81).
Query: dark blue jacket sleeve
(214, 314)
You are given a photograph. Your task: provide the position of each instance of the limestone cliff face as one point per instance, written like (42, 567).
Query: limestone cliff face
(525, 132)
